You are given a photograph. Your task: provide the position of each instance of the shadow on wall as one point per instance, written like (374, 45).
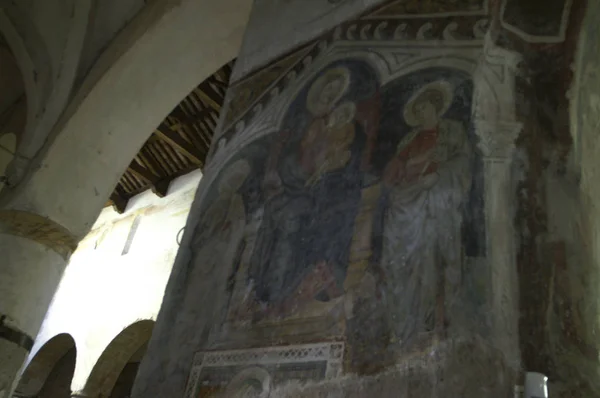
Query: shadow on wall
(8, 147)
(115, 371)
(50, 372)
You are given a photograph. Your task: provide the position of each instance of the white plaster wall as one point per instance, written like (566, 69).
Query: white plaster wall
(107, 18)
(52, 18)
(167, 50)
(102, 292)
(278, 26)
(46, 38)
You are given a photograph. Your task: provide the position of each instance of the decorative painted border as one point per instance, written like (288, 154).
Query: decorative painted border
(382, 24)
(384, 11)
(414, 33)
(539, 39)
(332, 353)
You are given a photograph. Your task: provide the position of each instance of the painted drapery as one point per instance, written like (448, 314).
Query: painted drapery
(367, 196)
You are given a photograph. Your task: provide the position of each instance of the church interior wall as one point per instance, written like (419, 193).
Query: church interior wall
(104, 288)
(89, 134)
(524, 243)
(289, 247)
(304, 20)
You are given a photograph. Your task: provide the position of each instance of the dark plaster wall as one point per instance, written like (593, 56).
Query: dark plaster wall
(58, 383)
(122, 388)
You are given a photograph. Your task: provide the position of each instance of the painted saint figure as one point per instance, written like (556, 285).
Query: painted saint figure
(220, 231)
(223, 218)
(427, 181)
(313, 188)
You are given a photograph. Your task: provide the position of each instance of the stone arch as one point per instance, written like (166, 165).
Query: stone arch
(48, 88)
(41, 366)
(124, 98)
(32, 59)
(115, 357)
(371, 59)
(467, 63)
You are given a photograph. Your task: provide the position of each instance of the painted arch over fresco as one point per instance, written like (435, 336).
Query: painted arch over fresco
(350, 204)
(310, 222)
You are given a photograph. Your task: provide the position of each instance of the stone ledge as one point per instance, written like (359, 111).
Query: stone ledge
(453, 369)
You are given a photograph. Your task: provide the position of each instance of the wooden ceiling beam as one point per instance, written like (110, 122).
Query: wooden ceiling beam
(174, 139)
(154, 166)
(184, 118)
(142, 172)
(161, 188)
(119, 203)
(209, 95)
(158, 186)
(148, 158)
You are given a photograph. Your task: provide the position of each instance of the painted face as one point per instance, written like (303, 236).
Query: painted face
(341, 115)
(426, 112)
(330, 93)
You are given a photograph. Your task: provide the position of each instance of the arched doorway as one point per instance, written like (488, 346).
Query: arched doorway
(50, 372)
(124, 383)
(114, 372)
(110, 115)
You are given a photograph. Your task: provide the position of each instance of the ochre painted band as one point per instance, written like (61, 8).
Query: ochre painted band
(38, 229)
(14, 335)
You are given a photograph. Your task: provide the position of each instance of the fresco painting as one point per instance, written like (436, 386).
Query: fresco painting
(363, 205)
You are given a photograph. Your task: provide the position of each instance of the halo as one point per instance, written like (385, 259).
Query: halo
(441, 86)
(258, 376)
(234, 175)
(319, 84)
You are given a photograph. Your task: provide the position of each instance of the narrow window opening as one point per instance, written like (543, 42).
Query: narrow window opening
(132, 231)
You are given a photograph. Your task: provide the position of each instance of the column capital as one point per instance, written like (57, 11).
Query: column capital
(497, 138)
(494, 54)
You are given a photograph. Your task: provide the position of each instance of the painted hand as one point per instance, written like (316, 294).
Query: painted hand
(272, 184)
(394, 171)
(429, 180)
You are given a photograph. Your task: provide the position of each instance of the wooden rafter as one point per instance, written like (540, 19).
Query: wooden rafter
(148, 159)
(176, 140)
(209, 95)
(180, 143)
(184, 118)
(158, 186)
(142, 172)
(118, 201)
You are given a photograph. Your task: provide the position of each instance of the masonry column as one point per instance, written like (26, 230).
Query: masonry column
(354, 219)
(497, 129)
(498, 151)
(34, 251)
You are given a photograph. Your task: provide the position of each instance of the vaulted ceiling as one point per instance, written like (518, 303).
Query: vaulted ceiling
(178, 145)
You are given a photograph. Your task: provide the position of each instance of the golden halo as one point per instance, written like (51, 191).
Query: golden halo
(442, 87)
(234, 175)
(312, 99)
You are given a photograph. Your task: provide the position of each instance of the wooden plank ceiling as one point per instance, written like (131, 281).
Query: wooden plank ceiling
(178, 145)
